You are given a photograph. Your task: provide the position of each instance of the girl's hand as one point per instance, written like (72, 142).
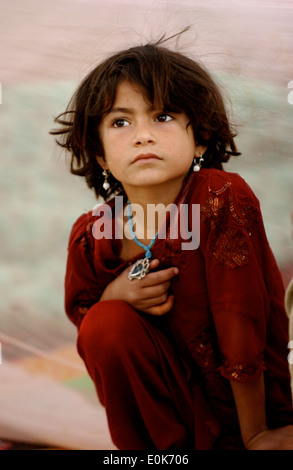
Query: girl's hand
(272, 439)
(149, 294)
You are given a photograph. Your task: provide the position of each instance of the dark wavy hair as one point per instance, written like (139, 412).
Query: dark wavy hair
(170, 81)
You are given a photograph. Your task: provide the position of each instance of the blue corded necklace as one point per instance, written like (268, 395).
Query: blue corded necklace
(141, 267)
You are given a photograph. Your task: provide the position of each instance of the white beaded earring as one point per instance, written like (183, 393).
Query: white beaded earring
(197, 162)
(106, 184)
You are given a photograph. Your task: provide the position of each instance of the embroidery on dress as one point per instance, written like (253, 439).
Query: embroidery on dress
(228, 243)
(84, 240)
(241, 371)
(204, 350)
(230, 247)
(211, 208)
(85, 299)
(170, 254)
(217, 192)
(249, 215)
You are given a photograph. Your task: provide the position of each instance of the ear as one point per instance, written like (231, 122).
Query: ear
(200, 149)
(204, 138)
(102, 162)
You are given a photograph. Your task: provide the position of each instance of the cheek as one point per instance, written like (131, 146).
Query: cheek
(113, 144)
(115, 163)
(190, 148)
(110, 151)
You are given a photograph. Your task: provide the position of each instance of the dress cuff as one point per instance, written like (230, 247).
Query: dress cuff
(242, 372)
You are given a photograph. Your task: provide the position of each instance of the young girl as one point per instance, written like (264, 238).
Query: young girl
(187, 349)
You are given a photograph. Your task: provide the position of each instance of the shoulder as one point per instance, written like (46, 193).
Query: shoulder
(226, 201)
(81, 231)
(230, 217)
(218, 181)
(212, 183)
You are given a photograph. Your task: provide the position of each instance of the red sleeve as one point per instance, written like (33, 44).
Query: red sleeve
(237, 255)
(82, 289)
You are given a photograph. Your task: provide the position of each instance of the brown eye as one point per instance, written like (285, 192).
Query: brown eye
(120, 123)
(164, 117)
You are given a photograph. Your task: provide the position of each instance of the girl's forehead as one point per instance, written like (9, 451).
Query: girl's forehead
(130, 93)
(128, 90)
(129, 96)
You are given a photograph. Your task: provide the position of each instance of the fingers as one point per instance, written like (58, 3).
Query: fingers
(147, 297)
(162, 309)
(156, 290)
(154, 263)
(150, 294)
(159, 277)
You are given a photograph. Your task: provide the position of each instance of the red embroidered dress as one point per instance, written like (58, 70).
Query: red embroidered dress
(228, 321)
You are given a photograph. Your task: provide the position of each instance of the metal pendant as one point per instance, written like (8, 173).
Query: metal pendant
(140, 268)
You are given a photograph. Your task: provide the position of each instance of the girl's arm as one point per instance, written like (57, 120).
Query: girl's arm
(250, 403)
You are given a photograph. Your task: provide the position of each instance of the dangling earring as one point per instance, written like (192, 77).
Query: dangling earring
(106, 184)
(197, 162)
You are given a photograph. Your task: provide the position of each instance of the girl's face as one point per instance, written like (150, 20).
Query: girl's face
(145, 147)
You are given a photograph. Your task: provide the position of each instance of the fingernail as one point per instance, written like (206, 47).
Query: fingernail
(176, 270)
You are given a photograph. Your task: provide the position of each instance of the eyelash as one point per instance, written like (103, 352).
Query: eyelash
(114, 124)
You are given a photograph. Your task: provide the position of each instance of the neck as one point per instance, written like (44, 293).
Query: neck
(160, 194)
(148, 206)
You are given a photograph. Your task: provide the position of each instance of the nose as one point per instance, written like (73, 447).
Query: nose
(143, 135)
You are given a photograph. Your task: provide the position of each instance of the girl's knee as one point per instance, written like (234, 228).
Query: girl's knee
(106, 328)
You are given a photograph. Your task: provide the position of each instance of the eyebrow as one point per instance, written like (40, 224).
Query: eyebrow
(121, 110)
(126, 110)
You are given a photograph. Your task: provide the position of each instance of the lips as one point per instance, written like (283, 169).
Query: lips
(146, 156)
